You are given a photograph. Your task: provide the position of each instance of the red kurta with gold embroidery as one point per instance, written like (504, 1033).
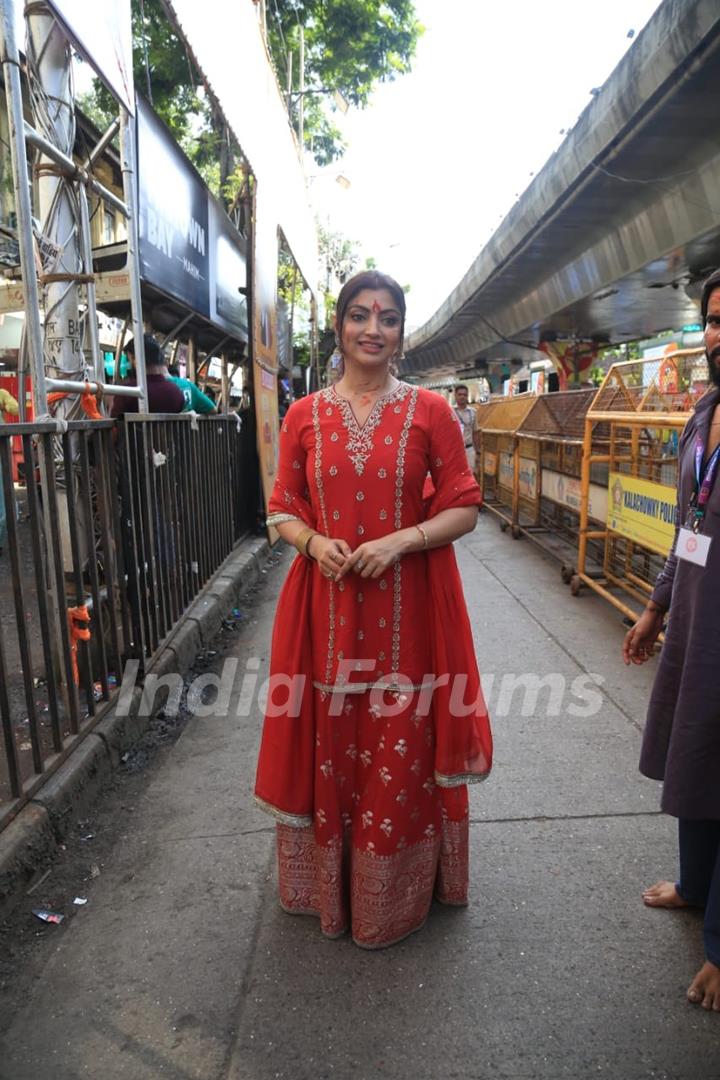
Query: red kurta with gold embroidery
(371, 767)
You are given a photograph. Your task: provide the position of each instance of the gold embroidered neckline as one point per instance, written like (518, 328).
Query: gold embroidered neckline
(360, 437)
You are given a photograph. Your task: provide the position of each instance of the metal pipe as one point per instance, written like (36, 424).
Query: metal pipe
(127, 150)
(92, 318)
(72, 171)
(72, 386)
(31, 297)
(175, 330)
(213, 353)
(103, 144)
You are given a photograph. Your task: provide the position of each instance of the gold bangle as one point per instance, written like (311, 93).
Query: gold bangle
(424, 536)
(302, 540)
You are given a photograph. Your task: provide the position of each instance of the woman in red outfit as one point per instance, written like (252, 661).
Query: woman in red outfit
(380, 722)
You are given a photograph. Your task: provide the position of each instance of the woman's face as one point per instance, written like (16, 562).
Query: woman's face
(370, 334)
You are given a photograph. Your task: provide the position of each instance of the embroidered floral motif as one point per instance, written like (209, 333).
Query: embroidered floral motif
(360, 495)
(388, 440)
(385, 775)
(326, 769)
(352, 751)
(321, 818)
(401, 747)
(296, 465)
(382, 473)
(402, 796)
(383, 515)
(382, 623)
(383, 583)
(386, 826)
(361, 530)
(366, 757)
(336, 515)
(333, 470)
(416, 766)
(367, 818)
(429, 785)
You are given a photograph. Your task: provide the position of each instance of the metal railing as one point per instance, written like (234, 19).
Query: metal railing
(101, 569)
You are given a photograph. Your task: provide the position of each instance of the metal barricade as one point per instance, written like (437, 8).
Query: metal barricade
(64, 628)
(100, 570)
(640, 410)
(500, 457)
(550, 448)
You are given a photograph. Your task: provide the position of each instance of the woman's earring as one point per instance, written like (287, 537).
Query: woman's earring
(336, 360)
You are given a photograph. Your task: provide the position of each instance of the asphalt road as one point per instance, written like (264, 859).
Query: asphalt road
(182, 965)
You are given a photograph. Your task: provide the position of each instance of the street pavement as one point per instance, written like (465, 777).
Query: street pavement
(182, 965)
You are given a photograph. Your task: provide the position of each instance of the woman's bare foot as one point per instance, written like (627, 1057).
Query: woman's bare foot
(663, 894)
(705, 988)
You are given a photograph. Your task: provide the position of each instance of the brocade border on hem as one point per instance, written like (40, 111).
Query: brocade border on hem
(295, 821)
(460, 779)
(362, 688)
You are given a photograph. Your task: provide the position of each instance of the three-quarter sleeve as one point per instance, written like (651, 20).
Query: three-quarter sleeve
(290, 500)
(452, 478)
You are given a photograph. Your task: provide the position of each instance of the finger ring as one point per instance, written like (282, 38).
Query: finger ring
(335, 556)
(359, 564)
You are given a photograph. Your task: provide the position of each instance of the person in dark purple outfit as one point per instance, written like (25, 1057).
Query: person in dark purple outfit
(164, 396)
(681, 743)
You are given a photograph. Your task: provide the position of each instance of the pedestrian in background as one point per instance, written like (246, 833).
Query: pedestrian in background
(367, 772)
(9, 406)
(681, 743)
(163, 395)
(468, 422)
(195, 399)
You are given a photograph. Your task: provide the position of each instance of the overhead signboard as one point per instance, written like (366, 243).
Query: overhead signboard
(102, 33)
(189, 248)
(228, 273)
(172, 216)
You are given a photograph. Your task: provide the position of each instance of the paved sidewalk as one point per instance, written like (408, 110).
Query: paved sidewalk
(182, 965)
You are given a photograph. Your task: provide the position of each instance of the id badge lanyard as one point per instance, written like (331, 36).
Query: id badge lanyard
(704, 480)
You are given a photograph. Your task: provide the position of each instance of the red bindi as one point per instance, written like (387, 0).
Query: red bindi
(376, 307)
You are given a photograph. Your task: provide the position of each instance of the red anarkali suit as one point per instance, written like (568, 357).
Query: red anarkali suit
(367, 771)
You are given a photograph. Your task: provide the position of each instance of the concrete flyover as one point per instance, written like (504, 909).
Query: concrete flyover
(610, 241)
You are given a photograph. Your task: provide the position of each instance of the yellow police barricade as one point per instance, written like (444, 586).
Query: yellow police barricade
(632, 430)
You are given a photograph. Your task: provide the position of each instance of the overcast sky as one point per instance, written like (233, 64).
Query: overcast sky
(441, 155)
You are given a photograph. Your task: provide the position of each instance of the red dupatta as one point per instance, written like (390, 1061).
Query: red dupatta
(463, 739)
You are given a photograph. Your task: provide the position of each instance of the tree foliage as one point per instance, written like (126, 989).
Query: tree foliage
(350, 46)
